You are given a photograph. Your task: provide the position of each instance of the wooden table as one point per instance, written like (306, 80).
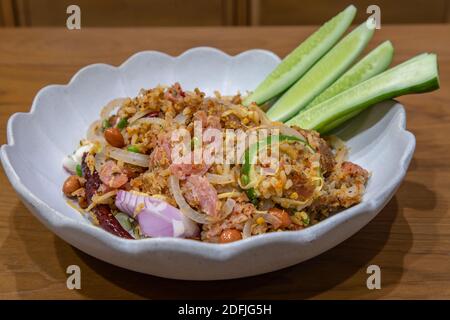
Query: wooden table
(409, 239)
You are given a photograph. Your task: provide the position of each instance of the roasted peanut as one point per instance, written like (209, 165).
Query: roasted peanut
(82, 202)
(283, 216)
(114, 137)
(230, 235)
(113, 120)
(71, 185)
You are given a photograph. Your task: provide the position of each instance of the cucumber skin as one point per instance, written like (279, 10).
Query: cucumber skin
(422, 88)
(275, 83)
(425, 87)
(353, 114)
(382, 58)
(375, 62)
(299, 95)
(311, 119)
(247, 165)
(339, 121)
(323, 127)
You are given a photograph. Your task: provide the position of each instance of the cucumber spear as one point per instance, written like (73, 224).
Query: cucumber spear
(302, 58)
(375, 62)
(417, 75)
(327, 70)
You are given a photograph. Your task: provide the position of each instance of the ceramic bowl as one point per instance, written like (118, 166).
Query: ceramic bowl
(59, 117)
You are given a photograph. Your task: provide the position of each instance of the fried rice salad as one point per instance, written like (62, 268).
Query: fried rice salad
(174, 163)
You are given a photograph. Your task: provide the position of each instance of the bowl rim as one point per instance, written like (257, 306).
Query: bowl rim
(216, 251)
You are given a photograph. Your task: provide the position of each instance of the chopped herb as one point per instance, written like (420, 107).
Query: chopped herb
(133, 149)
(122, 123)
(305, 218)
(106, 124)
(251, 194)
(78, 170)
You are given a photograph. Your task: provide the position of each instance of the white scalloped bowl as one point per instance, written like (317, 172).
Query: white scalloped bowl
(60, 115)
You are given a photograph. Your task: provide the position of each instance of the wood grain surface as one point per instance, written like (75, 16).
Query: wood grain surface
(409, 239)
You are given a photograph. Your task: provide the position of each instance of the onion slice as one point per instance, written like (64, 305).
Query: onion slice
(174, 186)
(284, 129)
(153, 120)
(289, 203)
(219, 179)
(100, 160)
(138, 115)
(137, 159)
(156, 218)
(102, 199)
(247, 231)
(227, 208)
(69, 165)
(288, 131)
(263, 119)
(274, 221)
(93, 133)
(106, 111)
(180, 119)
(71, 161)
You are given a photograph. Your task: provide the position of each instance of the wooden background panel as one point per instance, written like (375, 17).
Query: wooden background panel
(294, 12)
(113, 13)
(448, 12)
(6, 13)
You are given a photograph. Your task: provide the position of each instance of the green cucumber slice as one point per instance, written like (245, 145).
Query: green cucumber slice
(302, 58)
(340, 121)
(322, 74)
(248, 174)
(353, 114)
(375, 62)
(416, 75)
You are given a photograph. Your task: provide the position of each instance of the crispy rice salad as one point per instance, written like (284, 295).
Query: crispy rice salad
(130, 176)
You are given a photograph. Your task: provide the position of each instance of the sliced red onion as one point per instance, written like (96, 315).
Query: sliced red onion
(157, 218)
